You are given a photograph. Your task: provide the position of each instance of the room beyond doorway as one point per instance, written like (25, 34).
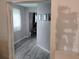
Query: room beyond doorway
(31, 23)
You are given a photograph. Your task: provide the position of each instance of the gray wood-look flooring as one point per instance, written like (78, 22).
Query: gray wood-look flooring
(29, 50)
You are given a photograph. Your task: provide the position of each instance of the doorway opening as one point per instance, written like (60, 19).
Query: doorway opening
(31, 25)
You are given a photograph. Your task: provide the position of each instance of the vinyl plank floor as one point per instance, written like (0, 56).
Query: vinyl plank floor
(29, 50)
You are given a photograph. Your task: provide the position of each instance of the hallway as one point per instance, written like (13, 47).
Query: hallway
(29, 50)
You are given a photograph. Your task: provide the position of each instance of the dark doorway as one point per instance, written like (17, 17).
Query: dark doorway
(33, 23)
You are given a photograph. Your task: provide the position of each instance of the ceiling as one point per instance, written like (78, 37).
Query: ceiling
(32, 4)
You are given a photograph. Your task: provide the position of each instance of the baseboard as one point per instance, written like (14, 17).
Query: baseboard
(22, 38)
(43, 48)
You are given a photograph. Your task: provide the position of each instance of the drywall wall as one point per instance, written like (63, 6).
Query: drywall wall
(4, 49)
(43, 34)
(43, 28)
(68, 25)
(44, 9)
(24, 31)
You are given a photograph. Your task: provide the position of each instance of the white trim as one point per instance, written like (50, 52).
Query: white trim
(23, 38)
(43, 48)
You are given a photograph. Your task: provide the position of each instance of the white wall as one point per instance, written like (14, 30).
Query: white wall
(24, 32)
(43, 34)
(43, 29)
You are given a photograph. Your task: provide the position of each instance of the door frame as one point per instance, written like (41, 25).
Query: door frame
(52, 31)
(10, 30)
